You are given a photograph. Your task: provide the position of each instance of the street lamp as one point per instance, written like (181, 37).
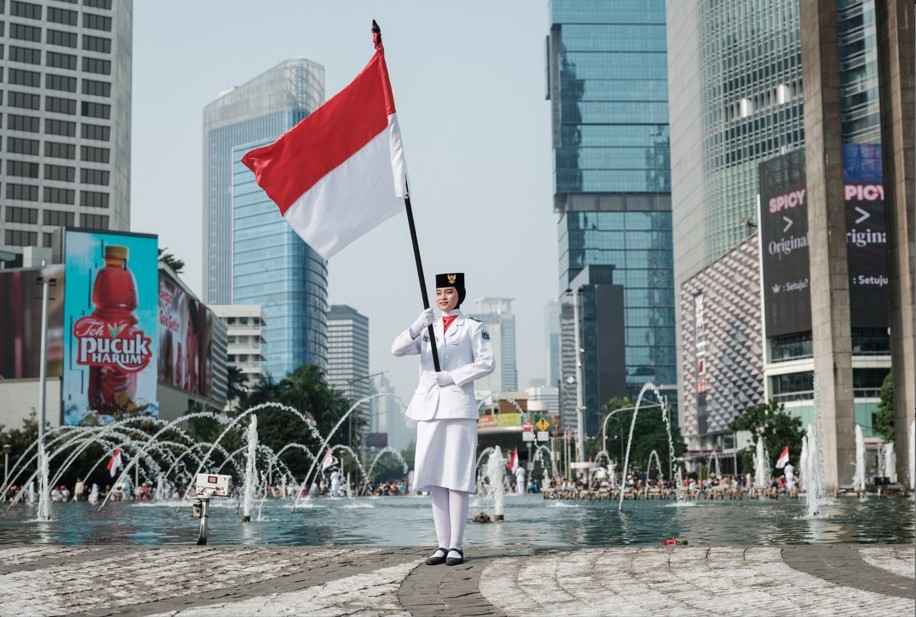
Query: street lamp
(580, 406)
(609, 416)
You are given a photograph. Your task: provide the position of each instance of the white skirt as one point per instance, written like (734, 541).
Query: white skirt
(446, 451)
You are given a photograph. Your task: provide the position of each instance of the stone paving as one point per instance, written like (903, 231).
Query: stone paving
(219, 581)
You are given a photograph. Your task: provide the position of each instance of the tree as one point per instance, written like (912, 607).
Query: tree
(171, 261)
(237, 386)
(778, 428)
(884, 420)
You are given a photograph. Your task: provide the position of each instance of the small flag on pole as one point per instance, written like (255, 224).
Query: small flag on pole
(783, 458)
(328, 460)
(115, 462)
(340, 172)
(513, 460)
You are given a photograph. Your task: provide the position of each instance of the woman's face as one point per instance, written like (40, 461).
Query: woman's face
(446, 298)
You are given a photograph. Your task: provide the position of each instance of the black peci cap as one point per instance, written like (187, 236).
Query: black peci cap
(453, 279)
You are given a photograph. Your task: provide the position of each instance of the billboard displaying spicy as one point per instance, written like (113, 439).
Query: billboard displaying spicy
(110, 321)
(784, 240)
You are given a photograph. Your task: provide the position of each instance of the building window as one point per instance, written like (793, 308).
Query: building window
(26, 55)
(60, 82)
(94, 176)
(25, 9)
(25, 33)
(54, 195)
(96, 22)
(18, 145)
(95, 131)
(96, 88)
(22, 77)
(96, 110)
(62, 16)
(92, 154)
(23, 192)
(23, 169)
(60, 173)
(60, 127)
(60, 61)
(99, 67)
(98, 4)
(63, 39)
(28, 124)
(21, 215)
(24, 100)
(96, 43)
(60, 150)
(93, 199)
(94, 221)
(60, 106)
(58, 218)
(16, 237)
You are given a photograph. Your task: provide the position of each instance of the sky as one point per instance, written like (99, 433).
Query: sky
(469, 84)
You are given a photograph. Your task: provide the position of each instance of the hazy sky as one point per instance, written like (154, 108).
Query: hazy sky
(469, 82)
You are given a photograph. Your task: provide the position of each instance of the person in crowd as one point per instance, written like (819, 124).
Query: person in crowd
(445, 410)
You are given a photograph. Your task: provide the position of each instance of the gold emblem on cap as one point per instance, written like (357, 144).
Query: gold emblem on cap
(452, 278)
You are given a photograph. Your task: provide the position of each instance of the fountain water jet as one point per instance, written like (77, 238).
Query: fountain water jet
(496, 472)
(761, 465)
(812, 475)
(890, 462)
(250, 474)
(858, 480)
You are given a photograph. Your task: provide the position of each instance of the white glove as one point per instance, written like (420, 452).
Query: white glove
(422, 322)
(444, 379)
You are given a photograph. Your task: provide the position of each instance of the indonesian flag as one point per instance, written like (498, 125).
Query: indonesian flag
(340, 172)
(328, 460)
(783, 458)
(115, 462)
(513, 460)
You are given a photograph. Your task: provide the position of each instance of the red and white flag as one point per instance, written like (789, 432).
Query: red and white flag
(115, 462)
(783, 458)
(513, 460)
(340, 172)
(328, 460)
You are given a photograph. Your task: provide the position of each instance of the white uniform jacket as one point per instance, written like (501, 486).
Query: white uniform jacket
(465, 354)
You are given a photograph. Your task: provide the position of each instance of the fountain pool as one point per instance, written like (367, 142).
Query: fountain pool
(529, 520)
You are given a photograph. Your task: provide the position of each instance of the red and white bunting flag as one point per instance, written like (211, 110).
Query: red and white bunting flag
(115, 462)
(328, 460)
(513, 460)
(340, 172)
(783, 458)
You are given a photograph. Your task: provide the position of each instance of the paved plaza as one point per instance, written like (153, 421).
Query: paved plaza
(218, 581)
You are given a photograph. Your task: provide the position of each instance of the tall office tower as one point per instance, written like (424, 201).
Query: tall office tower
(245, 328)
(388, 415)
(607, 84)
(497, 314)
(777, 123)
(552, 346)
(348, 356)
(250, 253)
(66, 130)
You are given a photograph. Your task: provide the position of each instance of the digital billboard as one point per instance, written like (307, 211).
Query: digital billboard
(185, 340)
(109, 327)
(784, 244)
(20, 335)
(866, 236)
(784, 240)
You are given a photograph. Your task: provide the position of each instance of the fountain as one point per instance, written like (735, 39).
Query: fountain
(889, 470)
(496, 471)
(858, 480)
(250, 475)
(658, 466)
(912, 461)
(761, 465)
(385, 450)
(812, 474)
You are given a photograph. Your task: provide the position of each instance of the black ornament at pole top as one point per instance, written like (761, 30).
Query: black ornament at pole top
(376, 34)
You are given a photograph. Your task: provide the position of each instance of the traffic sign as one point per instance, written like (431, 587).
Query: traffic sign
(543, 424)
(543, 435)
(527, 426)
(528, 436)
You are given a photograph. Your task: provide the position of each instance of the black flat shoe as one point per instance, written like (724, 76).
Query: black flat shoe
(438, 557)
(454, 561)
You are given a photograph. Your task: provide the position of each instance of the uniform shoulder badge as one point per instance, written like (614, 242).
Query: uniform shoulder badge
(485, 335)
(425, 338)
(474, 319)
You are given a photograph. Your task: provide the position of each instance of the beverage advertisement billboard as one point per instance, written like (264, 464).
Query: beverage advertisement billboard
(185, 340)
(110, 327)
(20, 335)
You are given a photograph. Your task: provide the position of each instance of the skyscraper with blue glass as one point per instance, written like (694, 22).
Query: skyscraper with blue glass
(607, 83)
(251, 254)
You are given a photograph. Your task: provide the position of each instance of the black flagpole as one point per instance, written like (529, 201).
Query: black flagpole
(377, 40)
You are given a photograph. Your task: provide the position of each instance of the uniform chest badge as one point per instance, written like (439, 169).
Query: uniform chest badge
(485, 335)
(425, 338)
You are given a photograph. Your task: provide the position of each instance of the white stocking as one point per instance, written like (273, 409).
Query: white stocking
(440, 499)
(458, 502)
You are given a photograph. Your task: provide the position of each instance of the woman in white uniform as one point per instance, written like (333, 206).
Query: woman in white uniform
(445, 410)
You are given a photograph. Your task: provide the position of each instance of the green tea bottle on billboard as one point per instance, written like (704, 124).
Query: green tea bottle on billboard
(109, 341)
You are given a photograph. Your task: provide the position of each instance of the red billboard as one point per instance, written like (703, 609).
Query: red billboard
(184, 339)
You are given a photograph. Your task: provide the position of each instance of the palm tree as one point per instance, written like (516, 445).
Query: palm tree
(237, 388)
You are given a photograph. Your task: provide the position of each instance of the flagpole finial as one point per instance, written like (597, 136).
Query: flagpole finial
(376, 34)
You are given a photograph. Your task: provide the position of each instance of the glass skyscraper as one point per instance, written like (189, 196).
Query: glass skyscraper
(607, 82)
(251, 254)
